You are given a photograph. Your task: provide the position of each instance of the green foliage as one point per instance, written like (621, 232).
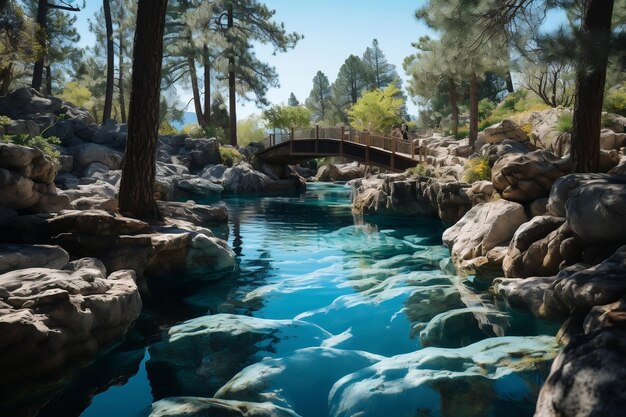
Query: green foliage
(77, 94)
(249, 130)
(377, 110)
(422, 170)
(319, 100)
(5, 121)
(286, 117)
(565, 122)
(476, 169)
(167, 129)
(293, 101)
(615, 100)
(513, 101)
(193, 130)
(378, 71)
(485, 108)
(39, 142)
(229, 155)
(351, 82)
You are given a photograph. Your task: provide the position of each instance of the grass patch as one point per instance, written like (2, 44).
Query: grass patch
(565, 122)
(422, 170)
(615, 100)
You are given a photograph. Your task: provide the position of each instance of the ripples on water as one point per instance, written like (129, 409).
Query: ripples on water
(332, 299)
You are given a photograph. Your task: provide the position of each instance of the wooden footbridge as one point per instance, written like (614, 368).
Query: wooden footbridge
(388, 152)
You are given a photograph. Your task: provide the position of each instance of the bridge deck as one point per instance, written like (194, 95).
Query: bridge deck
(391, 153)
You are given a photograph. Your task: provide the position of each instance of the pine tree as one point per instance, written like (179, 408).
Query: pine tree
(319, 100)
(351, 82)
(136, 195)
(379, 72)
(293, 101)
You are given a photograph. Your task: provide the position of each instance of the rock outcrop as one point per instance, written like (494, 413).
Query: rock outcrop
(479, 241)
(50, 317)
(340, 172)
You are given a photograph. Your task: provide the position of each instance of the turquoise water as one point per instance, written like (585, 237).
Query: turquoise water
(321, 303)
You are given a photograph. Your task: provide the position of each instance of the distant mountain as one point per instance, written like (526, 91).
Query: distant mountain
(188, 118)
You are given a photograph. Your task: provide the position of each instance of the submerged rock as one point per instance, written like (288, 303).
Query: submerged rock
(199, 407)
(202, 354)
(280, 381)
(490, 377)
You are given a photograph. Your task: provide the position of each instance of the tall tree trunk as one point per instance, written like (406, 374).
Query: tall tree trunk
(206, 61)
(509, 82)
(108, 94)
(454, 105)
(120, 79)
(590, 79)
(48, 89)
(136, 196)
(232, 99)
(473, 125)
(197, 104)
(6, 75)
(42, 33)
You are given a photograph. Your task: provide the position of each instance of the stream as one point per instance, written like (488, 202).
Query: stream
(325, 315)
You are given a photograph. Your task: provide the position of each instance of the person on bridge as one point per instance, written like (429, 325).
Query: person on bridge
(404, 129)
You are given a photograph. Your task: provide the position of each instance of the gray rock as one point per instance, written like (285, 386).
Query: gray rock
(242, 178)
(213, 173)
(526, 177)
(23, 127)
(340, 172)
(203, 152)
(506, 129)
(197, 406)
(14, 257)
(90, 152)
(197, 214)
(484, 228)
(200, 186)
(63, 314)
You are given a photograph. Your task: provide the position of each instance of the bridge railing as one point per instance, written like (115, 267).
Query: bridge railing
(380, 140)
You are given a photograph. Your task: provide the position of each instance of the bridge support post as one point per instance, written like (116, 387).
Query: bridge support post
(343, 131)
(317, 138)
(412, 150)
(291, 137)
(394, 145)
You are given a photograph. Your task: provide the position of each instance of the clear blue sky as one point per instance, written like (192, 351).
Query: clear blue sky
(332, 31)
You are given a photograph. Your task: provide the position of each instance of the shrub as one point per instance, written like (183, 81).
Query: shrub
(565, 122)
(5, 121)
(477, 169)
(423, 170)
(229, 155)
(615, 101)
(39, 142)
(485, 108)
(193, 130)
(167, 129)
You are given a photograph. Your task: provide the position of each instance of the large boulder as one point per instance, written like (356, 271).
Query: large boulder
(588, 378)
(202, 152)
(481, 237)
(535, 248)
(159, 253)
(91, 152)
(506, 129)
(28, 103)
(14, 257)
(524, 178)
(199, 186)
(242, 178)
(197, 214)
(27, 179)
(340, 172)
(50, 317)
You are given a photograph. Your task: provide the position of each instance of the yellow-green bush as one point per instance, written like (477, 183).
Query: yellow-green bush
(229, 155)
(476, 169)
(167, 129)
(423, 170)
(5, 121)
(615, 101)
